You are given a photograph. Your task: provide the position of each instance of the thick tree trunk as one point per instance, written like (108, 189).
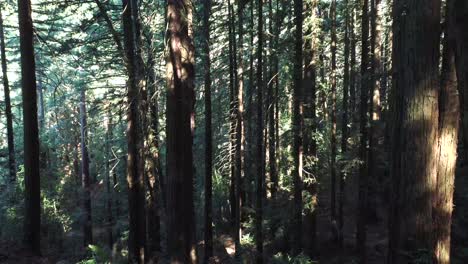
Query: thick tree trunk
(297, 123)
(8, 114)
(363, 177)
(259, 152)
(208, 135)
(85, 177)
(415, 151)
(352, 62)
(180, 124)
(135, 156)
(449, 111)
(461, 60)
(32, 217)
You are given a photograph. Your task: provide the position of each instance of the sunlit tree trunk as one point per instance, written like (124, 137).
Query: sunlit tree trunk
(8, 114)
(180, 125)
(415, 151)
(32, 217)
(449, 111)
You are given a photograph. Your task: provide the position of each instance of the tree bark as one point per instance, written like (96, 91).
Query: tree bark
(135, 155)
(32, 217)
(344, 125)
(240, 139)
(260, 157)
(449, 111)
(8, 114)
(363, 176)
(415, 153)
(333, 111)
(85, 177)
(208, 134)
(297, 123)
(109, 171)
(180, 124)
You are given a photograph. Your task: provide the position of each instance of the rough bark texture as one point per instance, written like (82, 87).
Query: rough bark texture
(32, 217)
(460, 26)
(85, 177)
(109, 171)
(135, 155)
(180, 125)
(208, 134)
(415, 126)
(449, 116)
(297, 123)
(8, 114)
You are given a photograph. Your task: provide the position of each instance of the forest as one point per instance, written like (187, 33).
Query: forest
(234, 131)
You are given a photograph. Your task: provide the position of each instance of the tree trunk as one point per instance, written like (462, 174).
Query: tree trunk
(333, 111)
(449, 111)
(260, 161)
(240, 140)
(8, 114)
(180, 127)
(461, 60)
(32, 217)
(363, 177)
(297, 124)
(153, 162)
(109, 218)
(208, 135)
(85, 178)
(415, 151)
(344, 126)
(135, 155)
(352, 62)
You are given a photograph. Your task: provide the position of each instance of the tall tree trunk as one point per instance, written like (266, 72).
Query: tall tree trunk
(344, 125)
(240, 139)
(352, 62)
(109, 218)
(333, 110)
(180, 123)
(449, 111)
(8, 114)
(461, 60)
(208, 135)
(415, 127)
(310, 128)
(32, 217)
(260, 157)
(153, 162)
(363, 177)
(85, 178)
(41, 110)
(297, 123)
(135, 155)
(232, 115)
